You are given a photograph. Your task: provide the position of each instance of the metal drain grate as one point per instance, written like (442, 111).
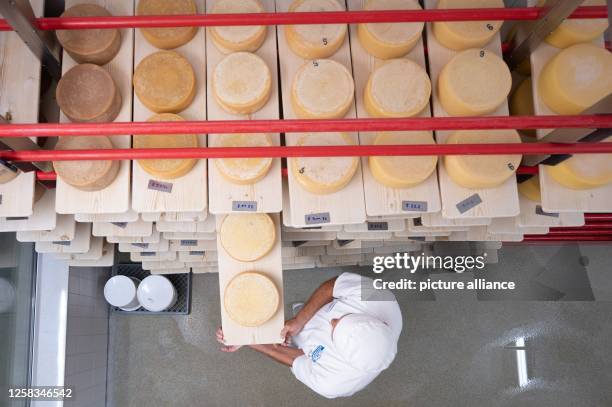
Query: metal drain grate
(182, 283)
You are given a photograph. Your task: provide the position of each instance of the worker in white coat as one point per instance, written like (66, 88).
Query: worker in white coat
(340, 342)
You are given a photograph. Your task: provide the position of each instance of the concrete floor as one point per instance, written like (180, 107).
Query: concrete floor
(456, 349)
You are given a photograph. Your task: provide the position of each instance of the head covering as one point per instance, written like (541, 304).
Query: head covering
(365, 342)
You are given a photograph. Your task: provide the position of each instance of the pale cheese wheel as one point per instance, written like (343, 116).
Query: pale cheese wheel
(88, 93)
(324, 175)
(243, 171)
(461, 35)
(8, 172)
(576, 78)
(398, 88)
(165, 82)
(242, 83)
(390, 40)
(91, 175)
(315, 41)
(403, 171)
(583, 171)
(247, 237)
(574, 31)
(322, 89)
(167, 38)
(95, 46)
(482, 171)
(530, 189)
(238, 38)
(251, 299)
(474, 83)
(521, 103)
(169, 168)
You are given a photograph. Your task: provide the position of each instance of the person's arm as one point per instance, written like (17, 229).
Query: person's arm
(281, 354)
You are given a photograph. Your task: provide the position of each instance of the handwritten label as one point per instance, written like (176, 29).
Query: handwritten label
(189, 243)
(141, 245)
(244, 206)
(196, 253)
(540, 211)
(469, 203)
(378, 226)
(121, 225)
(148, 254)
(62, 243)
(160, 186)
(414, 206)
(17, 218)
(317, 218)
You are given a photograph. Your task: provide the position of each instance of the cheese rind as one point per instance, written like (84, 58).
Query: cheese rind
(243, 171)
(530, 189)
(251, 299)
(398, 88)
(583, 171)
(474, 83)
(240, 38)
(574, 31)
(165, 82)
(390, 40)
(322, 89)
(167, 38)
(247, 237)
(521, 103)
(482, 171)
(324, 175)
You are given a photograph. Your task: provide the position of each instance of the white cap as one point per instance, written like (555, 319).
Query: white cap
(365, 342)
(156, 293)
(120, 291)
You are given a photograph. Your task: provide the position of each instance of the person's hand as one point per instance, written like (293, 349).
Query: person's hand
(291, 329)
(221, 340)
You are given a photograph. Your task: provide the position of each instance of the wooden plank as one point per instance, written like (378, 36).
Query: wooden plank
(43, 216)
(437, 220)
(206, 226)
(190, 245)
(79, 244)
(153, 238)
(161, 246)
(153, 256)
(129, 216)
(189, 235)
(64, 230)
(391, 225)
(107, 259)
(139, 228)
(94, 253)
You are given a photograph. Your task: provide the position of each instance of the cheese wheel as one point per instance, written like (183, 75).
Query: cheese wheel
(482, 171)
(166, 169)
(474, 83)
(398, 88)
(403, 172)
(530, 189)
(8, 172)
(165, 82)
(242, 83)
(86, 175)
(167, 38)
(583, 171)
(521, 103)
(88, 93)
(238, 38)
(461, 35)
(95, 46)
(322, 89)
(574, 31)
(576, 78)
(390, 40)
(243, 171)
(315, 41)
(251, 299)
(324, 175)
(247, 237)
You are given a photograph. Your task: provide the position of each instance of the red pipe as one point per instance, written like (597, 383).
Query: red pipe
(524, 170)
(578, 232)
(595, 228)
(568, 238)
(598, 217)
(46, 176)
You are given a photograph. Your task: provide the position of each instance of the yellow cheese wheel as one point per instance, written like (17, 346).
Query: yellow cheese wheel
(583, 171)
(324, 175)
(172, 168)
(482, 171)
(574, 31)
(530, 189)
(88, 93)
(7, 172)
(576, 78)
(521, 103)
(475, 82)
(403, 172)
(242, 83)
(165, 82)
(243, 171)
(167, 38)
(322, 89)
(94, 46)
(390, 40)
(315, 41)
(239, 38)
(247, 237)
(461, 35)
(86, 175)
(398, 88)
(251, 299)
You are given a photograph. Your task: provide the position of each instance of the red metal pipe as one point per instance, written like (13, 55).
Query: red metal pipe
(578, 232)
(524, 170)
(568, 238)
(598, 217)
(46, 176)
(592, 227)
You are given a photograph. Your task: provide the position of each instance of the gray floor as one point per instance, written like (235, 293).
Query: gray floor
(456, 349)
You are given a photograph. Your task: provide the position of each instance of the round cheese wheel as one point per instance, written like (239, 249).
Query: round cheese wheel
(583, 171)
(243, 171)
(398, 171)
(165, 82)
(482, 171)
(474, 83)
(322, 89)
(521, 103)
(239, 38)
(166, 169)
(461, 35)
(88, 93)
(390, 40)
(398, 88)
(86, 175)
(242, 83)
(167, 38)
(574, 31)
(315, 41)
(530, 189)
(247, 237)
(251, 299)
(94, 46)
(7, 173)
(576, 78)
(324, 175)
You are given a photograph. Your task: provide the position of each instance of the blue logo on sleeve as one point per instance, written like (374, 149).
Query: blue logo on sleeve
(316, 353)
